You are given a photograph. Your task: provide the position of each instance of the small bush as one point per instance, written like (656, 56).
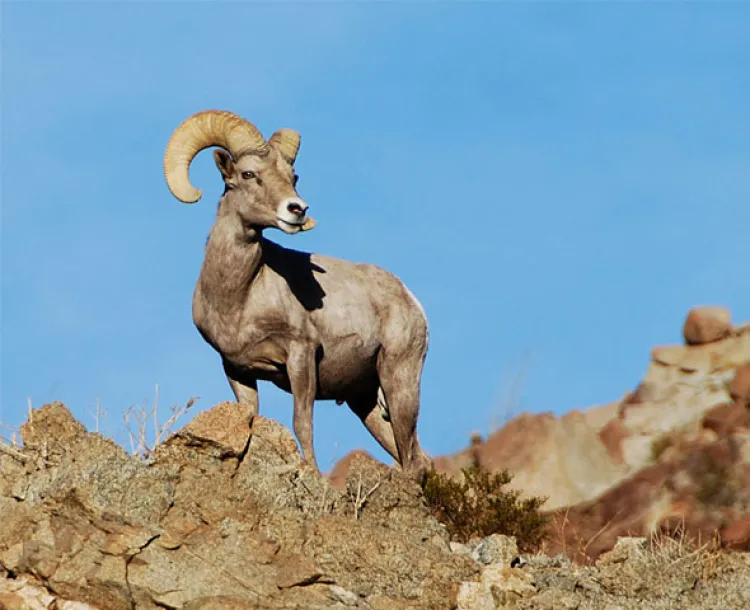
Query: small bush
(479, 507)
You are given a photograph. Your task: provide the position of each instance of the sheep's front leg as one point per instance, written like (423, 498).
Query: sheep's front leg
(303, 378)
(245, 389)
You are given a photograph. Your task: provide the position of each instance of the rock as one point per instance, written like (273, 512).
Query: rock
(612, 435)
(543, 561)
(225, 427)
(499, 587)
(474, 596)
(459, 548)
(544, 453)
(726, 419)
(739, 388)
(496, 549)
(627, 548)
(20, 594)
(343, 596)
(214, 522)
(707, 325)
(295, 571)
(221, 602)
(51, 427)
(507, 585)
(737, 534)
(211, 522)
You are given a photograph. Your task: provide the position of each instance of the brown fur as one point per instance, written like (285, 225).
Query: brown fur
(315, 326)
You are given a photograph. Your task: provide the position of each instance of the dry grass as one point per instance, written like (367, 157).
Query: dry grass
(681, 557)
(577, 549)
(668, 549)
(145, 419)
(10, 442)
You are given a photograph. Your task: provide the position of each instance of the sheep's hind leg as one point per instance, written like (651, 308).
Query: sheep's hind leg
(400, 375)
(371, 411)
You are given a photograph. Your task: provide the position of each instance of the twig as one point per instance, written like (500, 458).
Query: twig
(14, 453)
(139, 441)
(600, 532)
(99, 414)
(177, 412)
(11, 440)
(360, 498)
(155, 410)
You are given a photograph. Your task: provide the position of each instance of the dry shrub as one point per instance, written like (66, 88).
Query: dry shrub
(480, 506)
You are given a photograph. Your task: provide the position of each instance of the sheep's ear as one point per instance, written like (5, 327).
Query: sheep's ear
(224, 162)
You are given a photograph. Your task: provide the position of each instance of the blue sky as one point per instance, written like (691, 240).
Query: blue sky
(558, 183)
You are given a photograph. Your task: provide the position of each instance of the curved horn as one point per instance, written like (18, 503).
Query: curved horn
(199, 131)
(287, 142)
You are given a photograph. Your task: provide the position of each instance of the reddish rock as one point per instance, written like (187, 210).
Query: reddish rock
(695, 494)
(726, 419)
(737, 534)
(612, 435)
(739, 388)
(706, 325)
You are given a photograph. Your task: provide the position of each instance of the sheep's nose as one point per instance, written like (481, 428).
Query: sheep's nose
(296, 208)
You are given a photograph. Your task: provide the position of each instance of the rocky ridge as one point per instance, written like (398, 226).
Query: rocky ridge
(223, 516)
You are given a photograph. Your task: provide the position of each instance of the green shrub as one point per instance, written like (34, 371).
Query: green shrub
(479, 507)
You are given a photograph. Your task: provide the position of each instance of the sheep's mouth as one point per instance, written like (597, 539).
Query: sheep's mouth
(305, 223)
(292, 224)
(288, 226)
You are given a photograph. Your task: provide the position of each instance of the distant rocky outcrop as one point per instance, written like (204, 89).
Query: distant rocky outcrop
(693, 401)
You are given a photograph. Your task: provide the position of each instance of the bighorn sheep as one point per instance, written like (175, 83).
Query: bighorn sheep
(317, 327)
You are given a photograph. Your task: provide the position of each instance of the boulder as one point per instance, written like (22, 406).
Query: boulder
(707, 324)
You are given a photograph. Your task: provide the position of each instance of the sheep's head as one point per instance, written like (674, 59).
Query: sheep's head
(259, 176)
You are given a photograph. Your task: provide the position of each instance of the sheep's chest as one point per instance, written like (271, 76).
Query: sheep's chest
(246, 342)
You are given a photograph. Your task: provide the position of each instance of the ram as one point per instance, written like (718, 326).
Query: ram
(317, 327)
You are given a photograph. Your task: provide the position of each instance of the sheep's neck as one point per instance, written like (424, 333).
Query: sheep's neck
(232, 261)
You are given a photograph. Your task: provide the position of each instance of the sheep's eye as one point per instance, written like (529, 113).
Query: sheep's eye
(248, 175)
(295, 179)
